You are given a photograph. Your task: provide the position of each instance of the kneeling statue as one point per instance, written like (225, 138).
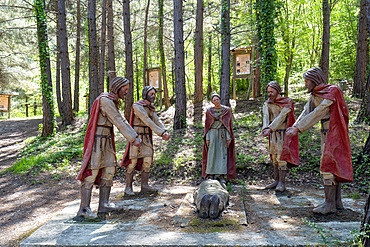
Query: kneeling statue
(211, 197)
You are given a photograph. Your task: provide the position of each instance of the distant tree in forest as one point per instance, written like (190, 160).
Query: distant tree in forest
(102, 46)
(324, 60)
(161, 52)
(145, 43)
(110, 37)
(266, 13)
(129, 99)
(198, 62)
(76, 95)
(225, 53)
(67, 115)
(180, 90)
(45, 70)
(362, 53)
(93, 54)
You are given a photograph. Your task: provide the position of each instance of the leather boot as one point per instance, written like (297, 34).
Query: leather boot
(85, 210)
(281, 184)
(329, 205)
(204, 206)
(104, 206)
(129, 179)
(144, 183)
(214, 207)
(276, 178)
(338, 197)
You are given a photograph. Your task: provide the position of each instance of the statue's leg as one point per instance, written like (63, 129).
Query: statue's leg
(214, 209)
(329, 206)
(276, 173)
(145, 176)
(282, 173)
(338, 197)
(130, 170)
(204, 206)
(105, 184)
(85, 210)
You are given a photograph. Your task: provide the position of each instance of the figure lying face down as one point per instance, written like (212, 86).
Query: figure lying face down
(211, 197)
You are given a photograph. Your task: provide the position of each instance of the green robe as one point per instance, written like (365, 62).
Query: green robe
(217, 149)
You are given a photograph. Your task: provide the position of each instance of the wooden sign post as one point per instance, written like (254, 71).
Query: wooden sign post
(5, 103)
(154, 80)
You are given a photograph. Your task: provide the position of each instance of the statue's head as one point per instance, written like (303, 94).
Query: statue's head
(273, 90)
(119, 86)
(216, 99)
(149, 93)
(313, 77)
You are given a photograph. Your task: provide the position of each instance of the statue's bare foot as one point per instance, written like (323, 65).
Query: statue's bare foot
(204, 206)
(87, 213)
(272, 185)
(148, 189)
(280, 187)
(129, 191)
(325, 208)
(109, 207)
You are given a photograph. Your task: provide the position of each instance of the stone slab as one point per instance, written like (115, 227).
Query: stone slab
(272, 220)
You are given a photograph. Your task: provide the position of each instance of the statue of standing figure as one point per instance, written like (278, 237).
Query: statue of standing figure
(326, 104)
(278, 115)
(99, 155)
(219, 143)
(144, 120)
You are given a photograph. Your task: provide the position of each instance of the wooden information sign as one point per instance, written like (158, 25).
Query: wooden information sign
(5, 103)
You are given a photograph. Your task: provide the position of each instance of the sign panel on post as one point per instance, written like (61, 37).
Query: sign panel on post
(4, 100)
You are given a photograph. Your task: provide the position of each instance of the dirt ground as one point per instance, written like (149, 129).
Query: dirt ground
(24, 206)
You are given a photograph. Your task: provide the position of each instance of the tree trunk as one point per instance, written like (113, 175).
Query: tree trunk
(198, 63)
(225, 46)
(76, 102)
(161, 53)
(364, 113)
(110, 30)
(251, 78)
(93, 55)
(46, 83)
(145, 43)
(359, 78)
(209, 86)
(102, 47)
(180, 90)
(65, 65)
(129, 100)
(366, 220)
(57, 76)
(324, 61)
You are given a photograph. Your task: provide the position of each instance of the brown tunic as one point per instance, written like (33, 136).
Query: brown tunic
(145, 119)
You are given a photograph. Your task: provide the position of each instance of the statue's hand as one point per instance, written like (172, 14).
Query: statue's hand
(207, 142)
(228, 143)
(291, 131)
(266, 132)
(137, 142)
(166, 137)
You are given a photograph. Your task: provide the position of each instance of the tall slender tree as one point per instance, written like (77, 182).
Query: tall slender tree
(225, 50)
(145, 42)
(110, 34)
(198, 53)
(45, 70)
(93, 54)
(209, 86)
(179, 63)
(161, 52)
(57, 69)
(67, 116)
(76, 101)
(362, 54)
(325, 51)
(129, 100)
(102, 47)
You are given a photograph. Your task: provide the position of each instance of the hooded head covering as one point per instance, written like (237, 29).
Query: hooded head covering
(214, 94)
(146, 90)
(117, 83)
(316, 75)
(275, 85)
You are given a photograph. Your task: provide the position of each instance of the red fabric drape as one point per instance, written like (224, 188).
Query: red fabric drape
(337, 158)
(226, 119)
(90, 136)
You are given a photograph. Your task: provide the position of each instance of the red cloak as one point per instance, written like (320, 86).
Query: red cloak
(90, 136)
(290, 152)
(336, 158)
(226, 119)
(126, 160)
